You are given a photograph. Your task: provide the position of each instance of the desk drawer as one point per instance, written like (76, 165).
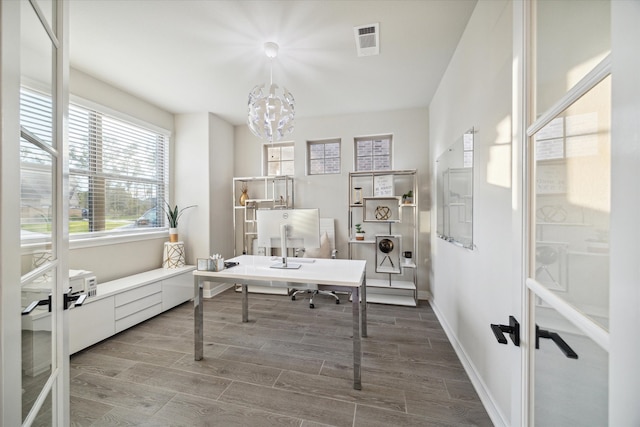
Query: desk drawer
(138, 293)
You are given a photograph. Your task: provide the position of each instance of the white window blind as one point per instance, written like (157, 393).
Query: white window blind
(118, 171)
(37, 160)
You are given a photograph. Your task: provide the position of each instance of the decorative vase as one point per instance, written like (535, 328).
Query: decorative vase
(173, 235)
(243, 197)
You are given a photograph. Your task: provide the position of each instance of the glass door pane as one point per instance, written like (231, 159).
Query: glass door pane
(36, 341)
(571, 37)
(572, 204)
(570, 200)
(39, 149)
(568, 392)
(569, 264)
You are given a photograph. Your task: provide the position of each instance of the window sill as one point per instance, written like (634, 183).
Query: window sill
(116, 239)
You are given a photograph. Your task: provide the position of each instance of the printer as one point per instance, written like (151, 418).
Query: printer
(80, 282)
(83, 282)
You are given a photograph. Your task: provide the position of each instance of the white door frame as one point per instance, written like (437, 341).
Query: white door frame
(10, 322)
(624, 369)
(519, 184)
(10, 256)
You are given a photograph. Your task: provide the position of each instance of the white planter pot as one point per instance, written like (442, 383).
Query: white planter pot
(173, 234)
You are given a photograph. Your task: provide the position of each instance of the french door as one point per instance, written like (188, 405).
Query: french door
(33, 265)
(570, 213)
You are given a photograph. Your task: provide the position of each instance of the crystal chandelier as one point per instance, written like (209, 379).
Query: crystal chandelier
(271, 110)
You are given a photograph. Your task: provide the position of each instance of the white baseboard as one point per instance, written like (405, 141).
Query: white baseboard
(210, 291)
(487, 400)
(424, 295)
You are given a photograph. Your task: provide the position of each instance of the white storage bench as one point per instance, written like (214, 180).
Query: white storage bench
(125, 302)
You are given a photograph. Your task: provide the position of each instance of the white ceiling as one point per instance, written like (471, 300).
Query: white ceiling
(190, 56)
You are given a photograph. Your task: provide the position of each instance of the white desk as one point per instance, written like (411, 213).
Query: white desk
(332, 274)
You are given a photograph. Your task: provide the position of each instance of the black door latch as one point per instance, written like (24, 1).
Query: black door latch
(513, 329)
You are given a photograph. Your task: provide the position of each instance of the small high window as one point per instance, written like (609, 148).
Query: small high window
(323, 157)
(373, 153)
(279, 159)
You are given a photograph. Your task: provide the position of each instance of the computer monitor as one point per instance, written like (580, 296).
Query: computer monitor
(294, 228)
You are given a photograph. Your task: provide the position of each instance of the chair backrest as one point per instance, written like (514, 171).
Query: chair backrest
(327, 225)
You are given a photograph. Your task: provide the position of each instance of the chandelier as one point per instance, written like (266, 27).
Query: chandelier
(271, 109)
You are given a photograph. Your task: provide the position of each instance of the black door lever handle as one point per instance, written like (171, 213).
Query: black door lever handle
(28, 309)
(76, 299)
(513, 329)
(553, 336)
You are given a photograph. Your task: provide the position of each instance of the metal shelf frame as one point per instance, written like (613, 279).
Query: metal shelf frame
(383, 287)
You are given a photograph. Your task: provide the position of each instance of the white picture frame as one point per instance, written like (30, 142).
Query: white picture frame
(383, 185)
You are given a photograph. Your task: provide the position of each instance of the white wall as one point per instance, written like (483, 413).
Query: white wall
(191, 182)
(330, 193)
(113, 261)
(221, 160)
(203, 177)
(472, 289)
(92, 89)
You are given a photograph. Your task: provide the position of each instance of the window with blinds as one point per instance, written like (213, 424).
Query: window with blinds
(118, 171)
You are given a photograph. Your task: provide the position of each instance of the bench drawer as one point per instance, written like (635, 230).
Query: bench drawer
(138, 293)
(138, 305)
(137, 317)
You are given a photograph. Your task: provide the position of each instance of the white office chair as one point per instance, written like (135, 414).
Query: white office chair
(327, 250)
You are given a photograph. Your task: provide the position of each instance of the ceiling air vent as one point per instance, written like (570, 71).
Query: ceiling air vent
(367, 39)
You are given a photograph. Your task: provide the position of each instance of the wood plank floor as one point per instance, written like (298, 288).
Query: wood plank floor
(289, 366)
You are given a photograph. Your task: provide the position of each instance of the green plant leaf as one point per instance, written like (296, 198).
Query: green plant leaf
(173, 214)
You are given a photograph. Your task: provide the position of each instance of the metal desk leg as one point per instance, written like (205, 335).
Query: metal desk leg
(197, 318)
(363, 293)
(357, 350)
(245, 304)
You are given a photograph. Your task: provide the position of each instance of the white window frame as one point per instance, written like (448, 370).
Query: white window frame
(89, 239)
(324, 142)
(357, 155)
(266, 161)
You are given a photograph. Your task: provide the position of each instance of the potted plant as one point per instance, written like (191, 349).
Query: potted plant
(407, 198)
(173, 215)
(359, 232)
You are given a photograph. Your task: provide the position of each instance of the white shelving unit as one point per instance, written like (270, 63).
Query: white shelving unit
(377, 202)
(264, 192)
